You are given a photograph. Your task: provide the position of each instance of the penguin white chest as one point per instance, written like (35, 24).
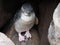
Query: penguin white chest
(25, 23)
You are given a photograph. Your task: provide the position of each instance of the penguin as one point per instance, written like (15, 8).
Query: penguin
(54, 28)
(24, 20)
(4, 40)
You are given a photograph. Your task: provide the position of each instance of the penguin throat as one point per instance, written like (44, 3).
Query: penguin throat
(26, 18)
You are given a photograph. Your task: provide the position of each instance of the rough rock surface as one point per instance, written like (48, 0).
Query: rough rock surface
(54, 29)
(4, 40)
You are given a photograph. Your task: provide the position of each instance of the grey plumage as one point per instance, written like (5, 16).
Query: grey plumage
(27, 8)
(24, 22)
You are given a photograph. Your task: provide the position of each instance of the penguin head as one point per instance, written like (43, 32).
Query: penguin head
(26, 9)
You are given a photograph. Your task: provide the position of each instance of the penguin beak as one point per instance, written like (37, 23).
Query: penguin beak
(26, 13)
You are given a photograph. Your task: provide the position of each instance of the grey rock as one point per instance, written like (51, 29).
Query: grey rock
(54, 28)
(4, 40)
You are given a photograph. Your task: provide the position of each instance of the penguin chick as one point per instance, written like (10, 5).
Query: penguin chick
(4, 40)
(24, 21)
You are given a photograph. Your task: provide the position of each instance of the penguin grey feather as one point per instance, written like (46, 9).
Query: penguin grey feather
(24, 20)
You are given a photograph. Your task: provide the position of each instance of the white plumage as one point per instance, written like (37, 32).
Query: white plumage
(25, 23)
(25, 20)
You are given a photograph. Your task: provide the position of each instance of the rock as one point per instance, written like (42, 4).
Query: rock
(51, 34)
(54, 29)
(4, 40)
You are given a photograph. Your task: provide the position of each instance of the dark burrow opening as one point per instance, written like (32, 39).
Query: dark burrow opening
(43, 9)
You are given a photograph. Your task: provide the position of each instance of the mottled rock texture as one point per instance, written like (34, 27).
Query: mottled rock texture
(54, 29)
(4, 40)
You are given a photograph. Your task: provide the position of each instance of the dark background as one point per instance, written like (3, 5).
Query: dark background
(43, 8)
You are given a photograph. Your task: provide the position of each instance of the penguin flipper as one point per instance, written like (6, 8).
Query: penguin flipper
(36, 21)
